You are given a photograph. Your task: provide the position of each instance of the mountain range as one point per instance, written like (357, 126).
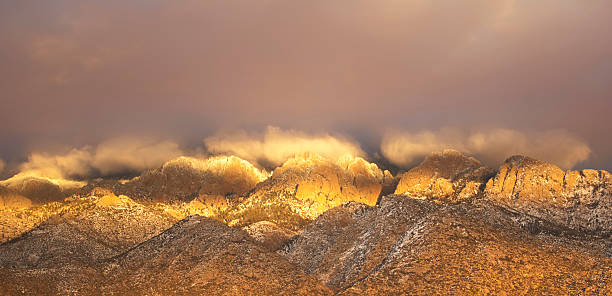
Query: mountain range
(312, 226)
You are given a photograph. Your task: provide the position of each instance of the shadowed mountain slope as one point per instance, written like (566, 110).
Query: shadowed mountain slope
(201, 256)
(418, 247)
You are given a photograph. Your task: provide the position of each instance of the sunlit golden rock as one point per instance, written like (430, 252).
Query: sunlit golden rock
(111, 200)
(309, 184)
(577, 199)
(449, 176)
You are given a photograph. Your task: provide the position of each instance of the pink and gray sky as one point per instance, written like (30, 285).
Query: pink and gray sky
(398, 78)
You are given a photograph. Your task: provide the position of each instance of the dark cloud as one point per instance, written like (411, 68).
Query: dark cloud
(78, 72)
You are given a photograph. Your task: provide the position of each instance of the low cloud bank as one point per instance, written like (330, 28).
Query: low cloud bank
(492, 146)
(113, 156)
(120, 155)
(274, 146)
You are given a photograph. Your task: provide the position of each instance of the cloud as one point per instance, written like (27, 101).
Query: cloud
(2, 165)
(114, 156)
(57, 169)
(275, 145)
(128, 154)
(74, 163)
(491, 146)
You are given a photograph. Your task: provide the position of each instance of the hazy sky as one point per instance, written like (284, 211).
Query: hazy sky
(76, 73)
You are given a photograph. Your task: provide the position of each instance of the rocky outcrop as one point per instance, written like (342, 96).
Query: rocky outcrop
(449, 176)
(310, 177)
(186, 178)
(307, 185)
(579, 200)
(269, 235)
(427, 248)
(201, 256)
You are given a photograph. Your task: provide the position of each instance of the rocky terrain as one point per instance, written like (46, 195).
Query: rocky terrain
(203, 256)
(185, 178)
(420, 247)
(579, 200)
(449, 176)
(306, 186)
(221, 226)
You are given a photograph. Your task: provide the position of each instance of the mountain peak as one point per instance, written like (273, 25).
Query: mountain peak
(447, 175)
(576, 199)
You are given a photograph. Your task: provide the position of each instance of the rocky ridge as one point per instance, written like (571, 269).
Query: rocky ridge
(427, 248)
(306, 186)
(534, 229)
(202, 256)
(579, 200)
(449, 176)
(185, 178)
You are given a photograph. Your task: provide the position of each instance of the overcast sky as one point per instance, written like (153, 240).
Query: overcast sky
(76, 73)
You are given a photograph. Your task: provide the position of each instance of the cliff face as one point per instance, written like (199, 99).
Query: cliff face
(580, 200)
(449, 176)
(311, 177)
(306, 186)
(426, 248)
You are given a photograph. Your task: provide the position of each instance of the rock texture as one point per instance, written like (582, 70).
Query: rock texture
(578, 200)
(448, 176)
(201, 256)
(306, 186)
(270, 235)
(85, 230)
(60, 256)
(408, 246)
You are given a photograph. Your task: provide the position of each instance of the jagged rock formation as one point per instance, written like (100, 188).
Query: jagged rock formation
(201, 256)
(186, 178)
(306, 186)
(269, 235)
(579, 200)
(422, 248)
(449, 176)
